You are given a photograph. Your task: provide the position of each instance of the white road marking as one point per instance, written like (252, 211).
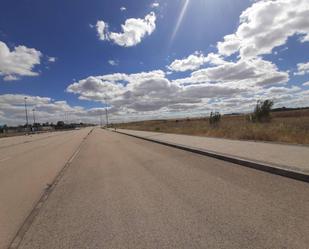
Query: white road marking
(74, 155)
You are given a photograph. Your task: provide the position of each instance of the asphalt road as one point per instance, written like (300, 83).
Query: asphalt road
(122, 192)
(27, 165)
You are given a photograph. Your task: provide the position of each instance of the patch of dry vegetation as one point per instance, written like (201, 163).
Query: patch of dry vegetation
(287, 127)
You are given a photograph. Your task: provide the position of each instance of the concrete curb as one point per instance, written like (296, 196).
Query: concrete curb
(297, 175)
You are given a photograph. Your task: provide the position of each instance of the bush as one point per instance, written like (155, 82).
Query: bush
(215, 118)
(3, 128)
(262, 111)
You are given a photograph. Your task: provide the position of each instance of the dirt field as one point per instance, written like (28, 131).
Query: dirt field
(287, 127)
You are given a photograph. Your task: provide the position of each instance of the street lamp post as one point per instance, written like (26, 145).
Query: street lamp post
(101, 122)
(106, 113)
(33, 112)
(26, 111)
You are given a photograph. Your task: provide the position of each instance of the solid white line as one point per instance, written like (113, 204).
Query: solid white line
(74, 155)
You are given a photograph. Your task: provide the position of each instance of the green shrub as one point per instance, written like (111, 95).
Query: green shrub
(215, 118)
(262, 111)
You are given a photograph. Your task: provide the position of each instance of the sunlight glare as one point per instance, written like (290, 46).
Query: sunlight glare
(180, 18)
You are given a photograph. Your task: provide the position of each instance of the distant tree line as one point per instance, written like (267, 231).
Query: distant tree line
(60, 125)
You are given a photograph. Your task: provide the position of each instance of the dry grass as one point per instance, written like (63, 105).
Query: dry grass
(287, 127)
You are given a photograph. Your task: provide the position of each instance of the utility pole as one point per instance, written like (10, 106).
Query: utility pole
(26, 111)
(33, 112)
(101, 122)
(106, 113)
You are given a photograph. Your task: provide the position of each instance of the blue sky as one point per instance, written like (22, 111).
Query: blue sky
(172, 48)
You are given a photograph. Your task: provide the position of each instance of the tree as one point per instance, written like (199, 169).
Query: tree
(3, 128)
(60, 123)
(215, 118)
(262, 111)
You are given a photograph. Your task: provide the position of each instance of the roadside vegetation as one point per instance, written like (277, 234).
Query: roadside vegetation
(10, 131)
(281, 125)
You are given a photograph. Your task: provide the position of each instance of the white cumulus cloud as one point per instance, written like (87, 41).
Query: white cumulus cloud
(52, 59)
(102, 29)
(18, 62)
(192, 62)
(113, 62)
(302, 68)
(267, 25)
(145, 91)
(306, 83)
(155, 5)
(195, 61)
(250, 72)
(133, 30)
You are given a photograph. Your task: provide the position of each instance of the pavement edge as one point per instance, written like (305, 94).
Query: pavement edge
(296, 175)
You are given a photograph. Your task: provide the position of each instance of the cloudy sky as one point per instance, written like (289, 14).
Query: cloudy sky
(150, 59)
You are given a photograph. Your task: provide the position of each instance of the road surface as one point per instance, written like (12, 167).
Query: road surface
(122, 192)
(27, 165)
